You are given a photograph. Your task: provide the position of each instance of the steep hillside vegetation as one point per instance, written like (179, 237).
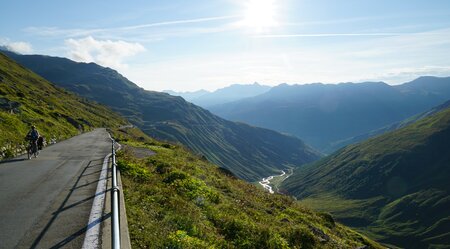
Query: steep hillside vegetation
(175, 199)
(26, 99)
(251, 153)
(395, 186)
(326, 115)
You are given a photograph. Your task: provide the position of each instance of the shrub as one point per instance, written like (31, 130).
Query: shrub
(180, 239)
(328, 220)
(9, 153)
(301, 236)
(175, 175)
(135, 171)
(160, 167)
(194, 189)
(278, 242)
(168, 146)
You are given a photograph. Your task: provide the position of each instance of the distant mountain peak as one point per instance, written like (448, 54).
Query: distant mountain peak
(223, 95)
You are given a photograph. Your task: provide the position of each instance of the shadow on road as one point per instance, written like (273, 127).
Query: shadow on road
(63, 208)
(81, 231)
(79, 202)
(92, 173)
(87, 184)
(12, 160)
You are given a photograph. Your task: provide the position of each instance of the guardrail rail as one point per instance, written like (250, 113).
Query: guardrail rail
(115, 210)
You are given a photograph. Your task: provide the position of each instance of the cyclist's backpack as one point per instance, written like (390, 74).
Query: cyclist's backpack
(34, 135)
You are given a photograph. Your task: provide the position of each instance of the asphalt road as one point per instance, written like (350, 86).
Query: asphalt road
(45, 202)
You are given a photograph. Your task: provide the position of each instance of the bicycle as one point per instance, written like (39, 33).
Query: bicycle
(32, 149)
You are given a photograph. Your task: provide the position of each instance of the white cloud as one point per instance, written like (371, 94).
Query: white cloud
(18, 47)
(160, 30)
(104, 52)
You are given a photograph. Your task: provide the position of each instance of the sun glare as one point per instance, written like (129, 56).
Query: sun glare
(260, 14)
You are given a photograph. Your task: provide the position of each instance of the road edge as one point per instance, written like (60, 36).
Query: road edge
(92, 237)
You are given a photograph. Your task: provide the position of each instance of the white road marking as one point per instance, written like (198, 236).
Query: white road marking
(92, 238)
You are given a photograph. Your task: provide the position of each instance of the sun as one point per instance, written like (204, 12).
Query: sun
(260, 14)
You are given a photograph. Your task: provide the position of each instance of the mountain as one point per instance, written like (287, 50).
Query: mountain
(189, 96)
(223, 95)
(394, 186)
(27, 99)
(324, 115)
(249, 152)
(176, 199)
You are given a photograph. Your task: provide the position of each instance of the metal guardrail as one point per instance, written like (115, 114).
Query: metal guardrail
(115, 210)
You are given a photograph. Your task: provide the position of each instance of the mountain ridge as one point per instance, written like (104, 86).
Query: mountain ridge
(223, 95)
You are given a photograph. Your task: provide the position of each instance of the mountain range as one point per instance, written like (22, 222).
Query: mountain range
(224, 95)
(249, 152)
(189, 96)
(393, 187)
(329, 116)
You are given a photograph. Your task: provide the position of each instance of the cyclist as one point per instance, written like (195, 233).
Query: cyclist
(32, 136)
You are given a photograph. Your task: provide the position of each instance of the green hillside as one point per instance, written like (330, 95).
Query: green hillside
(395, 186)
(249, 152)
(26, 99)
(176, 199)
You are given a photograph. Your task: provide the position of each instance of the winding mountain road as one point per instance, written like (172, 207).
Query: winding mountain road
(45, 202)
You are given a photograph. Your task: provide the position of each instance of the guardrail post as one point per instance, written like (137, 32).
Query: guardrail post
(115, 226)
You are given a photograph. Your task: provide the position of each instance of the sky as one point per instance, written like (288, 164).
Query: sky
(209, 44)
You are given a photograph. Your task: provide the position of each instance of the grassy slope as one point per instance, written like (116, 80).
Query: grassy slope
(250, 152)
(394, 186)
(26, 99)
(176, 199)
